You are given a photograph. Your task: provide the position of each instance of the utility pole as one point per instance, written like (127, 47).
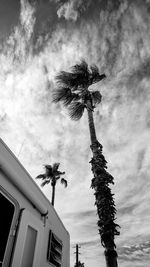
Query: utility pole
(77, 255)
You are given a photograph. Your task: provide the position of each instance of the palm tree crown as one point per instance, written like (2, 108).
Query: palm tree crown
(73, 89)
(52, 175)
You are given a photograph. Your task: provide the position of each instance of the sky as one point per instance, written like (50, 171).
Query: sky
(37, 40)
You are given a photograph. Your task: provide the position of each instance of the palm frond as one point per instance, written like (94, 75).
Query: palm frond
(99, 78)
(67, 79)
(55, 166)
(61, 94)
(94, 70)
(64, 182)
(102, 76)
(96, 97)
(76, 110)
(73, 97)
(81, 68)
(45, 182)
(78, 77)
(48, 170)
(95, 75)
(82, 72)
(41, 176)
(62, 78)
(48, 166)
(65, 96)
(61, 173)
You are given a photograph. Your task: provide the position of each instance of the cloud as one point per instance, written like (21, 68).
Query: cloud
(136, 252)
(40, 132)
(73, 9)
(67, 10)
(18, 46)
(27, 18)
(126, 209)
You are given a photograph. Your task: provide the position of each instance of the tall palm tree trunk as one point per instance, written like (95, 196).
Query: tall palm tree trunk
(111, 258)
(91, 126)
(104, 197)
(53, 193)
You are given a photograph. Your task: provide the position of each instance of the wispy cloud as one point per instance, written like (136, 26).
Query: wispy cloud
(136, 253)
(117, 39)
(72, 9)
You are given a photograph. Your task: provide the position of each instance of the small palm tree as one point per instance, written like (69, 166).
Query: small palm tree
(52, 175)
(74, 92)
(79, 264)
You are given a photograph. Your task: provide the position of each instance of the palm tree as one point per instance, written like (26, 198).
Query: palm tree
(74, 92)
(52, 175)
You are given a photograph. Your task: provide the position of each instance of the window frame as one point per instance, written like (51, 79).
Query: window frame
(12, 233)
(49, 252)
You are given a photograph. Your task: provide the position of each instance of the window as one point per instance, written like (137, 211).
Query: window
(7, 213)
(54, 254)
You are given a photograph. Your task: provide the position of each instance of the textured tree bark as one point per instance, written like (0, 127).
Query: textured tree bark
(111, 258)
(104, 197)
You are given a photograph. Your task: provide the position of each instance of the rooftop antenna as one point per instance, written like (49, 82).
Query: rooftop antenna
(21, 147)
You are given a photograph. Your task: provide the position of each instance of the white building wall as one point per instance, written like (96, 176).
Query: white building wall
(31, 214)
